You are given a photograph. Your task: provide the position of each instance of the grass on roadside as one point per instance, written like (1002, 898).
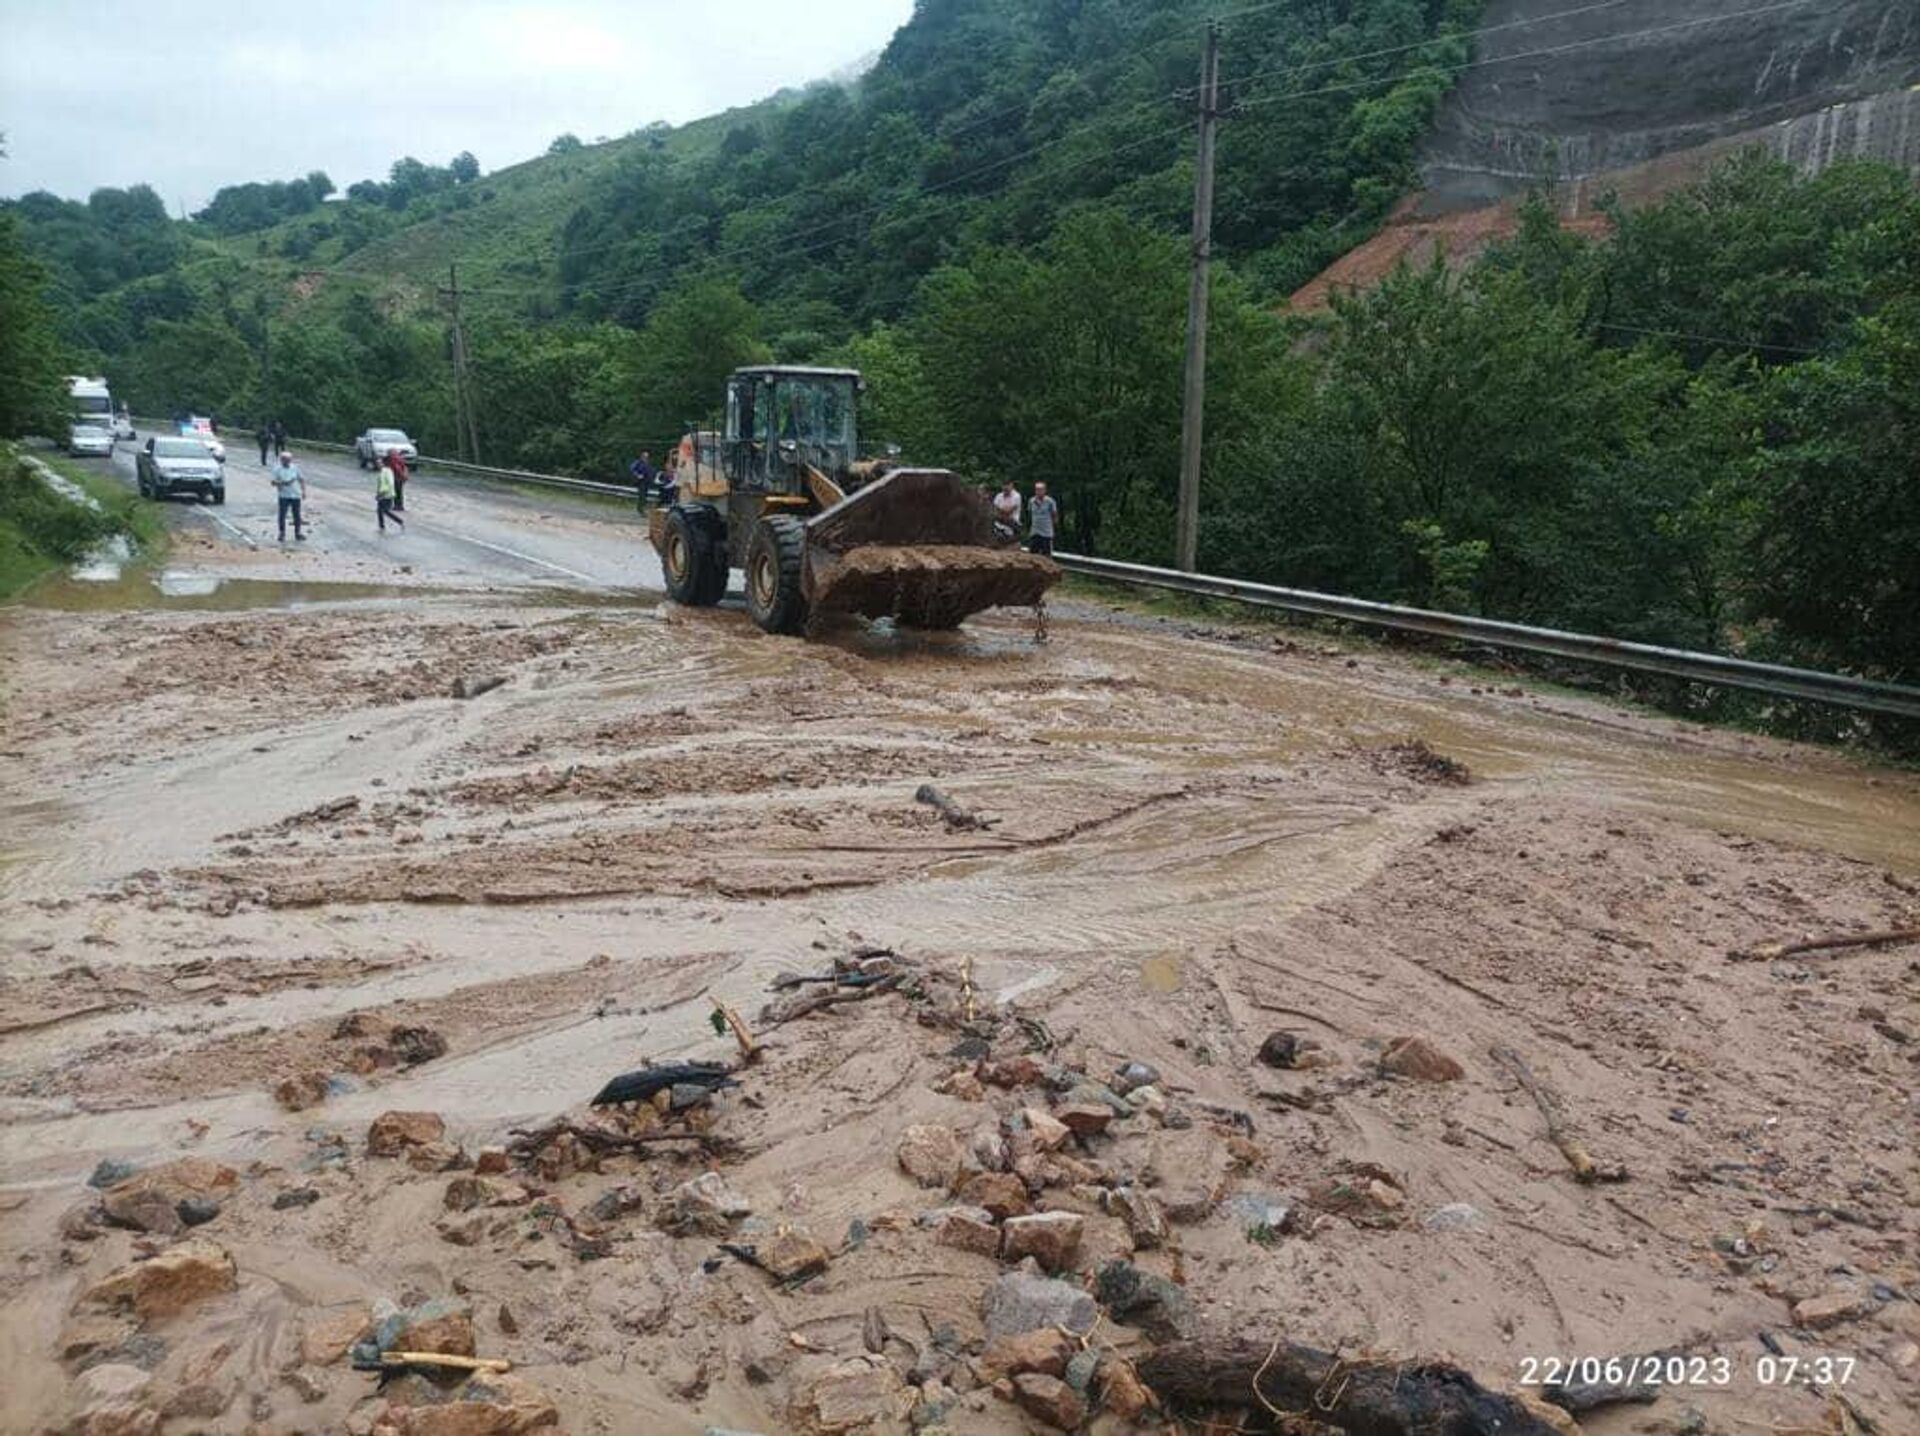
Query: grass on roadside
(41, 532)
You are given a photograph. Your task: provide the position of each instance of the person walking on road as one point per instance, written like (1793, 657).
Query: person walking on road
(264, 436)
(278, 430)
(290, 487)
(386, 486)
(395, 463)
(1043, 513)
(1006, 509)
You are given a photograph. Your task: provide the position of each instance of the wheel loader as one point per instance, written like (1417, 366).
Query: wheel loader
(779, 493)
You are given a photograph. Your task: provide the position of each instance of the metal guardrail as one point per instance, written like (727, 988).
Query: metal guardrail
(1806, 684)
(439, 465)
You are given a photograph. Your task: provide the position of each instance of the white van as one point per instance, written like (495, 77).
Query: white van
(88, 403)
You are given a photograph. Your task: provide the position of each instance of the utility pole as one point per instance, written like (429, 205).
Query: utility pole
(466, 434)
(1194, 399)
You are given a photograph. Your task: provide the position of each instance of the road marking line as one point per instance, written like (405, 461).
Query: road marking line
(232, 528)
(586, 578)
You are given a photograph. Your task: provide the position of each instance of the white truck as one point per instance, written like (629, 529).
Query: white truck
(89, 404)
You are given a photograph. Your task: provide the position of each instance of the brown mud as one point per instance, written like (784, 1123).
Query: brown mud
(244, 847)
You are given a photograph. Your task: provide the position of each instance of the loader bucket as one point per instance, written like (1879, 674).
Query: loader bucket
(918, 546)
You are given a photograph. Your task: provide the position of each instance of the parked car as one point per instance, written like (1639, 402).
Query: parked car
(168, 466)
(89, 440)
(374, 445)
(200, 427)
(123, 426)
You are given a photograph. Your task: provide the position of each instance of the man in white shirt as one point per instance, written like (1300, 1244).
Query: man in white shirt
(291, 487)
(1006, 507)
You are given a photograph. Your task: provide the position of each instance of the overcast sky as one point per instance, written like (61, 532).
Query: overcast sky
(190, 96)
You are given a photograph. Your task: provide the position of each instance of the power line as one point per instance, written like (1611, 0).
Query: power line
(1565, 49)
(1420, 44)
(1709, 339)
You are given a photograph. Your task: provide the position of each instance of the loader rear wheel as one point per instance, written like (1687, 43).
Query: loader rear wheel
(773, 574)
(694, 557)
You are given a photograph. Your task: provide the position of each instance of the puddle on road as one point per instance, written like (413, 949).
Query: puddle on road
(131, 590)
(1160, 975)
(114, 586)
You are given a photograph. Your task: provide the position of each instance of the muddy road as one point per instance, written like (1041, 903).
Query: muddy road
(253, 839)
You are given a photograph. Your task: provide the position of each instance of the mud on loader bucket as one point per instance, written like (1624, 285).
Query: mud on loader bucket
(918, 546)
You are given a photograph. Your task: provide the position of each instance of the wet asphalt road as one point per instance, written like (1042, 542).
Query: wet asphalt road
(458, 530)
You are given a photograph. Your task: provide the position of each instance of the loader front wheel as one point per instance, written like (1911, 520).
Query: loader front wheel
(693, 557)
(773, 574)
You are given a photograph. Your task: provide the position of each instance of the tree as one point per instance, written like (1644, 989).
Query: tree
(464, 168)
(1834, 544)
(32, 374)
(319, 184)
(565, 144)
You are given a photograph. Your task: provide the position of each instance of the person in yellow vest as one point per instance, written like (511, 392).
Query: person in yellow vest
(384, 507)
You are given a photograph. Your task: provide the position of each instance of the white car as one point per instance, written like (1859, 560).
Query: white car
(372, 447)
(89, 440)
(123, 426)
(201, 428)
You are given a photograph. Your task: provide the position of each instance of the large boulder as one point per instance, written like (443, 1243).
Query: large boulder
(1050, 1238)
(851, 1396)
(489, 1405)
(392, 1133)
(162, 1199)
(1050, 1399)
(1045, 1349)
(705, 1206)
(1026, 1301)
(167, 1284)
(444, 1326)
(1419, 1059)
(931, 1155)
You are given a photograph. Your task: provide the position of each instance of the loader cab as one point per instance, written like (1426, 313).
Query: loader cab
(782, 418)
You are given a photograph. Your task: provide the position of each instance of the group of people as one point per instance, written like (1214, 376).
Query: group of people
(1043, 515)
(290, 486)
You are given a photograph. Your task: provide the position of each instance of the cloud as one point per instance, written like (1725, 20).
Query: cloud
(189, 96)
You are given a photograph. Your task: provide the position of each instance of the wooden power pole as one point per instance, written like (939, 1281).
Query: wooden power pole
(1194, 399)
(466, 433)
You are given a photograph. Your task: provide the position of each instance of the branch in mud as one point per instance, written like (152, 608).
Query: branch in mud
(776, 1014)
(957, 818)
(1360, 1396)
(528, 1141)
(1562, 1135)
(1835, 942)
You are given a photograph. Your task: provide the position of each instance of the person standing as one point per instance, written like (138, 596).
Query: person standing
(644, 474)
(386, 485)
(279, 432)
(264, 437)
(290, 487)
(1043, 513)
(1006, 508)
(395, 463)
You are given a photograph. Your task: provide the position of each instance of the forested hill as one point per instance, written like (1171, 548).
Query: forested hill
(1696, 424)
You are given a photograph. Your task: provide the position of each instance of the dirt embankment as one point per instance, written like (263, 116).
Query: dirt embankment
(1251, 1007)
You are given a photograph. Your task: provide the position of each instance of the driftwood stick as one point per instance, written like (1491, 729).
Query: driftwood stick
(1833, 942)
(1585, 1169)
(1362, 1396)
(749, 1048)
